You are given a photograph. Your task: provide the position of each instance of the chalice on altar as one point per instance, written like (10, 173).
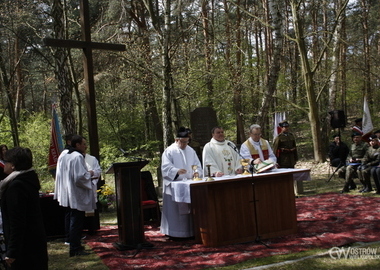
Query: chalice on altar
(195, 173)
(209, 178)
(245, 162)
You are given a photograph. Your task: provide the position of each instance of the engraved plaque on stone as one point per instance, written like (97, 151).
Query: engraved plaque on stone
(202, 120)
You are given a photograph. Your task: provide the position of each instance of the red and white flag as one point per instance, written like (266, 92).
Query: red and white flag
(56, 145)
(367, 126)
(278, 118)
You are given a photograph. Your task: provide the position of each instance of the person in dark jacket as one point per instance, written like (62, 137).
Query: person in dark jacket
(24, 232)
(338, 152)
(3, 150)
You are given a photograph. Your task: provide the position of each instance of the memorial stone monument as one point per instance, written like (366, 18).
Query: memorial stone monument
(202, 120)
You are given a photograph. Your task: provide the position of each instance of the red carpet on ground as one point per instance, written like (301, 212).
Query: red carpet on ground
(324, 221)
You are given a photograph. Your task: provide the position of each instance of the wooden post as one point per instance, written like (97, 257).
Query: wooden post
(87, 46)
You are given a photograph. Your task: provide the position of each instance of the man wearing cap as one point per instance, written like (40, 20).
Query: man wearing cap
(370, 159)
(285, 148)
(221, 154)
(338, 152)
(176, 165)
(357, 128)
(355, 156)
(377, 133)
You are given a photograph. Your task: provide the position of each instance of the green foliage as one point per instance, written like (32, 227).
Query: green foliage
(127, 81)
(35, 134)
(109, 154)
(6, 132)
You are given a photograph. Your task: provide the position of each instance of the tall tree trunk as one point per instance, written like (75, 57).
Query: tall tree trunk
(10, 104)
(275, 10)
(166, 70)
(207, 34)
(343, 66)
(152, 119)
(366, 49)
(19, 80)
(62, 72)
(234, 66)
(307, 75)
(164, 39)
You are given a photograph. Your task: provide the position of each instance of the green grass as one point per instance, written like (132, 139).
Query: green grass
(310, 259)
(59, 259)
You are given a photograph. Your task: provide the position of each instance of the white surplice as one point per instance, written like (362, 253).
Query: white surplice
(93, 165)
(176, 220)
(221, 157)
(73, 186)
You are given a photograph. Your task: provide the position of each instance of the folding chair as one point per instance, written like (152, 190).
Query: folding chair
(333, 170)
(150, 203)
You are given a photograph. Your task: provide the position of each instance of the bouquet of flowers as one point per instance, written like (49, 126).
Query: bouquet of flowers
(107, 196)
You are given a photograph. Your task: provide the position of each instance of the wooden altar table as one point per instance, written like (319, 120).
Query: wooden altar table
(235, 209)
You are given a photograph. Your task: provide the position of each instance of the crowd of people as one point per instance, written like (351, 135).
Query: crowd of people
(359, 160)
(77, 174)
(222, 158)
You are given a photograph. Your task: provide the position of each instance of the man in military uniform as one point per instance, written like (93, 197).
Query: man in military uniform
(285, 148)
(355, 156)
(370, 159)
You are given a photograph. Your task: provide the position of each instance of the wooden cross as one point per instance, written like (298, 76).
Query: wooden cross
(87, 47)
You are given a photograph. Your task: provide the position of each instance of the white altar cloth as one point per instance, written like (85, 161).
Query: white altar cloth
(181, 189)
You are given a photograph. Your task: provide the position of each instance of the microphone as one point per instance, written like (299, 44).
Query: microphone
(251, 167)
(230, 144)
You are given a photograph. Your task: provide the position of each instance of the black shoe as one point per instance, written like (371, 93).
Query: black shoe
(78, 253)
(366, 190)
(176, 239)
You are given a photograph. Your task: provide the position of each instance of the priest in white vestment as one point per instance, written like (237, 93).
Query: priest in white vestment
(221, 154)
(176, 165)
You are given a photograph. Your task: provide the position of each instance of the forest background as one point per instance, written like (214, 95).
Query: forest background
(246, 59)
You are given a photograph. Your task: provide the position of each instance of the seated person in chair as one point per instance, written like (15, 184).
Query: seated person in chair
(338, 152)
(355, 156)
(370, 159)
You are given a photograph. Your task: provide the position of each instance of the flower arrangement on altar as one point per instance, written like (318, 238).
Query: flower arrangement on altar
(107, 196)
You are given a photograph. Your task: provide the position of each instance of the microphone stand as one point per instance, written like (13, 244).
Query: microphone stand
(332, 175)
(251, 167)
(257, 240)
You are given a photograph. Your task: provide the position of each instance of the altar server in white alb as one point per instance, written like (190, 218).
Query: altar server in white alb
(177, 161)
(221, 154)
(73, 190)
